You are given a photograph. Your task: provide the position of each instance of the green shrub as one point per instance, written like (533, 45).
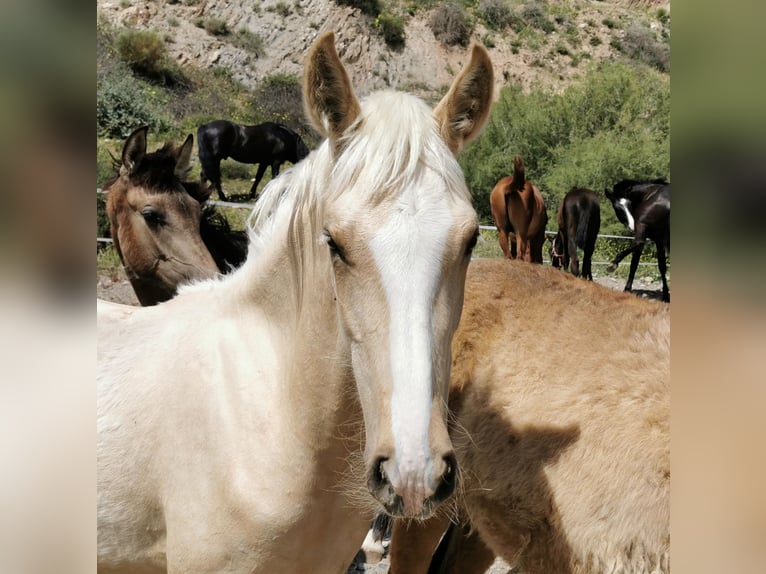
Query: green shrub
(497, 14)
(609, 23)
(213, 26)
(279, 98)
(613, 124)
(145, 52)
(122, 105)
(391, 27)
(533, 13)
(450, 24)
(249, 41)
(640, 43)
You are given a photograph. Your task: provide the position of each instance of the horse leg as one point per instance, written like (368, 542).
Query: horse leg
(572, 249)
(662, 264)
(620, 256)
(258, 177)
(502, 239)
(215, 177)
(461, 551)
(634, 265)
(413, 543)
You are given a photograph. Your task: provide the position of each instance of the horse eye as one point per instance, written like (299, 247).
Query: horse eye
(152, 217)
(471, 244)
(335, 250)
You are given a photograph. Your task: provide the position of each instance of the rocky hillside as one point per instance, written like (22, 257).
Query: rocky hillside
(550, 45)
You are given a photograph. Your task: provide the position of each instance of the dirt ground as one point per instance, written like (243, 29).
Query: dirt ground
(119, 290)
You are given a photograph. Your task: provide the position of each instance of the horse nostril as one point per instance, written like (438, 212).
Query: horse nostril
(377, 478)
(448, 479)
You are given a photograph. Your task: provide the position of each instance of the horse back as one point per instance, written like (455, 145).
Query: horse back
(540, 428)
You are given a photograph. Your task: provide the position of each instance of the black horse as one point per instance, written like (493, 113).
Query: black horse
(579, 220)
(266, 144)
(644, 207)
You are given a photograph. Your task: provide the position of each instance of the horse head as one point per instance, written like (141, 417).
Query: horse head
(155, 219)
(399, 228)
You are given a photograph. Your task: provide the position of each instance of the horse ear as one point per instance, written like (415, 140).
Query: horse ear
(183, 157)
(462, 113)
(134, 150)
(199, 191)
(329, 99)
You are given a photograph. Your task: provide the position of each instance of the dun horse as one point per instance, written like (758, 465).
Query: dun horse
(239, 419)
(518, 210)
(266, 144)
(565, 464)
(579, 219)
(162, 234)
(644, 207)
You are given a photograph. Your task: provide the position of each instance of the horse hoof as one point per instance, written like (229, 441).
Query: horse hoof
(611, 268)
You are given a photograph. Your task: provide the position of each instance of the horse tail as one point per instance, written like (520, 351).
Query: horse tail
(207, 162)
(582, 228)
(519, 174)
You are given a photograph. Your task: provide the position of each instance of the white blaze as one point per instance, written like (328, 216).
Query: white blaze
(624, 204)
(408, 251)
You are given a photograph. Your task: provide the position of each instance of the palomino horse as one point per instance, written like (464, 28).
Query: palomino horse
(519, 212)
(565, 464)
(161, 232)
(579, 219)
(644, 207)
(266, 144)
(307, 388)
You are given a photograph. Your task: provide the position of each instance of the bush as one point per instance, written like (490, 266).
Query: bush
(213, 26)
(122, 105)
(534, 15)
(450, 24)
(641, 44)
(145, 52)
(249, 41)
(392, 29)
(279, 98)
(496, 14)
(613, 124)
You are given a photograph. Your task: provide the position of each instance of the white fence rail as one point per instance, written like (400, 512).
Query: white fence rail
(482, 227)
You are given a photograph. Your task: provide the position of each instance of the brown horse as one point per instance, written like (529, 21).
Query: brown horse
(564, 464)
(159, 228)
(519, 212)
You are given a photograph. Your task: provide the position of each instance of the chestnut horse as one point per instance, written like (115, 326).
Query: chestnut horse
(565, 463)
(308, 387)
(160, 230)
(519, 212)
(579, 220)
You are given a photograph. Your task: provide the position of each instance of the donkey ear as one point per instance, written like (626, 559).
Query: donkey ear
(329, 99)
(462, 113)
(183, 157)
(134, 150)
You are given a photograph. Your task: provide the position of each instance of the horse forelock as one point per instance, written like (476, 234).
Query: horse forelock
(385, 150)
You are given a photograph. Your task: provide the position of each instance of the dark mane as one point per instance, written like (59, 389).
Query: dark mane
(227, 246)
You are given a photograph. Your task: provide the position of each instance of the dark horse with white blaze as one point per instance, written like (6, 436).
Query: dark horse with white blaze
(579, 219)
(644, 207)
(267, 144)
